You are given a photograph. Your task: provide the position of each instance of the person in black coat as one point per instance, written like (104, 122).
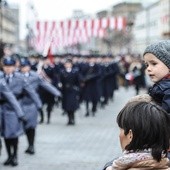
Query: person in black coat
(47, 98)
(108, 74)
(91, 90)
(70, 80)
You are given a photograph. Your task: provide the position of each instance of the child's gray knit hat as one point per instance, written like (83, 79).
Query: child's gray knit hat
(161, 50)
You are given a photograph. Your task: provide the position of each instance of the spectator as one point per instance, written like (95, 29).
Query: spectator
(144, 136)
(157, 60)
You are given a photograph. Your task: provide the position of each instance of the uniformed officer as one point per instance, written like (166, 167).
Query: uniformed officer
(91, 92)
(28, 106)
(48, 73)
(70, 80)
(12, 127)
(6, 96)
(109, 80)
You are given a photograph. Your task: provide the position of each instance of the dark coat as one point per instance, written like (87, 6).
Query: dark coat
(91, 89)
(160, 92)
(70, 89)
(115, 73)
(45, 95)
(107, 81)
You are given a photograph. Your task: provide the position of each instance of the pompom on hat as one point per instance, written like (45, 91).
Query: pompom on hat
(160, 50)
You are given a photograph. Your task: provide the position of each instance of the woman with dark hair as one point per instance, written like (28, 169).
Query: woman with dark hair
(144, 137)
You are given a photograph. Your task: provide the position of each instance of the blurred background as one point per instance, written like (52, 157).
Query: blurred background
(105, 41)
(117, 26)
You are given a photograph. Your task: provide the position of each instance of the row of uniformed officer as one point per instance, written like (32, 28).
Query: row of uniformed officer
(11, 119)
(99, 79)
(28, 106)
(24, 86)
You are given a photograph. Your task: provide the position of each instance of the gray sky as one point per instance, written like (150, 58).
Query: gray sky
(62, 9)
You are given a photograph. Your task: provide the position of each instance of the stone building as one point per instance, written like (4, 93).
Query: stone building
(151, 24)
(119, 41)
(9, 25)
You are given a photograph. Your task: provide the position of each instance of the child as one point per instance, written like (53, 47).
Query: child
(144, 136)
(157, 60)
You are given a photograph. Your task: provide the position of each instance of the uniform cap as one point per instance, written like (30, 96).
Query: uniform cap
(24, 62)
(8, 61)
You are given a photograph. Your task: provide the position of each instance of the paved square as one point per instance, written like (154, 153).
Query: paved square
(88, 145)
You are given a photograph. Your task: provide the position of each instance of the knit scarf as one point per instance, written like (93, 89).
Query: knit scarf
(142, 160)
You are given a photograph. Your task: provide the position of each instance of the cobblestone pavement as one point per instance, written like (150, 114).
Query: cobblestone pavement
(88, 145)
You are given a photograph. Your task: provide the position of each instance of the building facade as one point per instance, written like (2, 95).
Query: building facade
(9, 25)
(151, 24)
(119, 41)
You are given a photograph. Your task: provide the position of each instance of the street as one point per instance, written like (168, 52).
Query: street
(88, 145)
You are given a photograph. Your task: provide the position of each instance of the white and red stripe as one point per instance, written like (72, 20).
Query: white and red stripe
(70, 32)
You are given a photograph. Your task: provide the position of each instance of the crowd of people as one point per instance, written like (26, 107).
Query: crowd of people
(67, 81)
(30, 83)
(144, 121)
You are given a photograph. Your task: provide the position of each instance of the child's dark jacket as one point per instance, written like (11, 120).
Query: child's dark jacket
(160, 92)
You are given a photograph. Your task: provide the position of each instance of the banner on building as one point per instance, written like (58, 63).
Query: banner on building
(70, 32)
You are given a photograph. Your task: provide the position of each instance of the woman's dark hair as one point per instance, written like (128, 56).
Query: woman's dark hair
(150, 127)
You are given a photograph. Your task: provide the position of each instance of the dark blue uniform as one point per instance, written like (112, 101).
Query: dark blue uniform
(91, 92)
(46, 97)
(70, 92)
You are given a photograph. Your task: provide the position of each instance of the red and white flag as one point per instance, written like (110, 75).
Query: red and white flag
(70, 32)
